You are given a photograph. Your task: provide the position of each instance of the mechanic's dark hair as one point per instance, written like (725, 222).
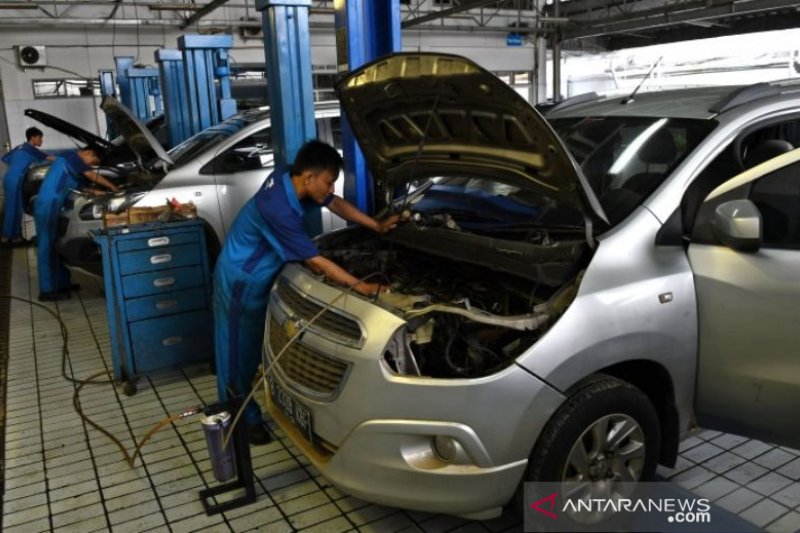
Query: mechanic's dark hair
(317, 156)
(90, 148)
(33, 132)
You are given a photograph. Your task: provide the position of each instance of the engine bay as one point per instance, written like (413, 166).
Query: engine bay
(463, 318)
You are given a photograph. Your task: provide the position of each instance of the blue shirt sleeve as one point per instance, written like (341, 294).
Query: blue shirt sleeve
(34, 152)
(75, 163)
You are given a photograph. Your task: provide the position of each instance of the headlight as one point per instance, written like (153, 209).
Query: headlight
(91, 211)
(115, 204)
(121, 203)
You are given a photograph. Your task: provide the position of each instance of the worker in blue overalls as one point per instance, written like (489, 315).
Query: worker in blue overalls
(18, 161)
(267, 233)
(70, 170)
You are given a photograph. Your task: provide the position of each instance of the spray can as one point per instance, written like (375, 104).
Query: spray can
(223, 460)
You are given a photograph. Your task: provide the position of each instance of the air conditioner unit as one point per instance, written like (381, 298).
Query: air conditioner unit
(31, 56)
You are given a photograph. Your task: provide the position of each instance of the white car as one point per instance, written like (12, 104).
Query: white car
(218, 170)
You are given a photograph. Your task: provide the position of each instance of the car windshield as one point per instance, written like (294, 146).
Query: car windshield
(209, 137)
(626, 158)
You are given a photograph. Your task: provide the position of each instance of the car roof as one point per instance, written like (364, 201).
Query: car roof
(693, 103)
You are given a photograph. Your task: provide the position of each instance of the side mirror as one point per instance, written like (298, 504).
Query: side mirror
(737, 224)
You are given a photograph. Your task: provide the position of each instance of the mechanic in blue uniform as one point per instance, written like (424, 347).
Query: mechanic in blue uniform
(18, 161)
(267, 233)
(70, 170)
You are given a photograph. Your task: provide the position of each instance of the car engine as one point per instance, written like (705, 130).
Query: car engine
(463, 319)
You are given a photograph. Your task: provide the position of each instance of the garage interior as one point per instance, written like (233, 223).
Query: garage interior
(59, 469)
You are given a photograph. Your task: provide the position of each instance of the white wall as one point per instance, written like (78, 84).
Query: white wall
(85, 51)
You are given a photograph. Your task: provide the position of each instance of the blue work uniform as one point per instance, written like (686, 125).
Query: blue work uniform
(18, 161)
(64, 174)
(267, 233)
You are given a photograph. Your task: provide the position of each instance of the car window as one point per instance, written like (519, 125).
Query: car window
(254, 152)
(626, 158)
(777, 196)
(210, 137)
(336, 132)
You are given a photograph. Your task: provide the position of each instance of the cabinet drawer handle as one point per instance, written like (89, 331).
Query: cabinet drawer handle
(166, 304)
(163, 258)
(172, 341)
(157, 241)
(163, 282)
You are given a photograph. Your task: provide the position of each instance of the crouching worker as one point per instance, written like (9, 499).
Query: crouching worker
(18, 161)
(70, 170)
(267, 233)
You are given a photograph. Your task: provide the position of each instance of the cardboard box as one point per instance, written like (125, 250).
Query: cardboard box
(138, 215)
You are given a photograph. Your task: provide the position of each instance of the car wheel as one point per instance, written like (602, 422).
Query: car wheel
(606, 430)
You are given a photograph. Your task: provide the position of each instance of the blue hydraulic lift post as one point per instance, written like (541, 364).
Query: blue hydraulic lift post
(108, 88)
(173, 82)
(365, 30)
(123, 63)
(287, 49)
(140, 82)
(205, 57)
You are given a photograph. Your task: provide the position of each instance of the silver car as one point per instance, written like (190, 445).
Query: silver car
(218, 170)
(567, 299)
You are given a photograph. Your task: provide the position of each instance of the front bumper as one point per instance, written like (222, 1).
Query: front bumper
(374, 431)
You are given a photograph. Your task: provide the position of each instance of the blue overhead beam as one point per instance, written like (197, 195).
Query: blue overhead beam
(365, 30)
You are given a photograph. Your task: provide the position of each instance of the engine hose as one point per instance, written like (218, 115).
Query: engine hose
(130, 458)
(266, 368)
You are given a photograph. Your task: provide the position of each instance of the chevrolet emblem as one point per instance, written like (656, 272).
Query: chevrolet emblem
(290, 329)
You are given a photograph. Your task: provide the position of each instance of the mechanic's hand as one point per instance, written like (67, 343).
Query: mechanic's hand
(387, 224)
(93, 192)
(370, 289)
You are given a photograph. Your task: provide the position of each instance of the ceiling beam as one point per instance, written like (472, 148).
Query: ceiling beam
(208, 8)
(466, 6)
(677, 15)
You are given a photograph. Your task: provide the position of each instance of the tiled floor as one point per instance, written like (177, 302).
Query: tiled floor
(63, 475)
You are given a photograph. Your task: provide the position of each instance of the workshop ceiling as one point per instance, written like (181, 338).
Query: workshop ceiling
(583, 24)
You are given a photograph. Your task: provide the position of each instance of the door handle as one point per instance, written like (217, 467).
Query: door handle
(163, 282)
(172, 341)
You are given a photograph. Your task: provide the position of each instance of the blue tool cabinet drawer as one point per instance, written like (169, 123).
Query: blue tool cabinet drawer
(159, 258)
(157, 241)
(170, 341)
(162, 281)
(158, 296)
(166, 304)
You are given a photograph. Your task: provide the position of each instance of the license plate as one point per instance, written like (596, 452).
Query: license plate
(297, 413)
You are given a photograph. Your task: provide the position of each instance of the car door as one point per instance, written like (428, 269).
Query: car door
(239, 170)
(748, 299)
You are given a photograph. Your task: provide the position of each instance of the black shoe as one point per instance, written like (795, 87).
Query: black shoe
(53, 296)
(258, 435)
(72, 287)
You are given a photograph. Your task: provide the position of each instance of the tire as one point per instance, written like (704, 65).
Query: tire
(621, 406)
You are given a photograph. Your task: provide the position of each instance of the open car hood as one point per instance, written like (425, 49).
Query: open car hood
(417, 114)
(84, 137)
(140, 140)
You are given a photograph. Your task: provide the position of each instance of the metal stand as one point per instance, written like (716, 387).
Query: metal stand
(244, 465)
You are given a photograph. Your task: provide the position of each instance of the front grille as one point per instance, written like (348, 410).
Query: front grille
(308, 369)
(329, 321)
